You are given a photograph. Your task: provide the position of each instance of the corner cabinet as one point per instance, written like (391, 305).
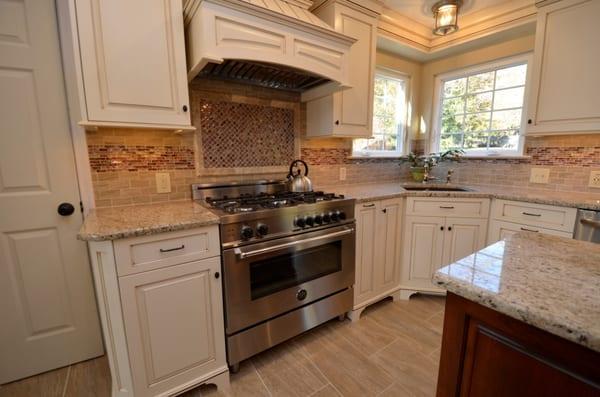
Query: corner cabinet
(438, 232)
(130, 61)
(565, 87)
(348, 113)
(378, 237)
(160, 302)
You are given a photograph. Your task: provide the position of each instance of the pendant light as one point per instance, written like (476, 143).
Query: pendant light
(445, 13)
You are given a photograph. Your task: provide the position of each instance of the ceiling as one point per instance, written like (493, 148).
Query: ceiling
(420, 10)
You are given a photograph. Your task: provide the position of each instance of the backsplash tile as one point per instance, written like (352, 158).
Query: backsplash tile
(111, 157)
(236, 135)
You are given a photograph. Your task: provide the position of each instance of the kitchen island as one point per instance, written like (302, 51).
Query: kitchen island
(522, 318)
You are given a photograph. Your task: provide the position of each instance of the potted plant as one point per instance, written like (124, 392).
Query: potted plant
(418, 163)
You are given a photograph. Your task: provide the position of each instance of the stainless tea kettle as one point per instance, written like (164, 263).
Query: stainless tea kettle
(298, 182)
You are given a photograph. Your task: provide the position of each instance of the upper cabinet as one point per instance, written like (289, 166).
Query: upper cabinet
(348, 113)
(565, 90)
(132, 63)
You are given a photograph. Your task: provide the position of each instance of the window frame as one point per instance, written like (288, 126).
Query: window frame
(435, 136)
(395, 75)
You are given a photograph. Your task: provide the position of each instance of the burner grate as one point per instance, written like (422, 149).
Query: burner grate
(249, 203)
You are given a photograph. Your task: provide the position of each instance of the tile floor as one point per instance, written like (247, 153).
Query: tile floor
(392, 351)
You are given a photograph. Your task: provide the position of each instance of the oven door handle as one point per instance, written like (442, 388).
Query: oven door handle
(242, 255)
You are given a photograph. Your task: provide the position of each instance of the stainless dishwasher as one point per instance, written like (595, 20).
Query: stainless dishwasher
(587, 226)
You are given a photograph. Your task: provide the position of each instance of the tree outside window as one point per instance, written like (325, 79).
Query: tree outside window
(389, 118)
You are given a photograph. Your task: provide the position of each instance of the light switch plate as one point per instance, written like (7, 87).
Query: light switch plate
(163, 182)
(342, 173)
(539, 175)
(594, 179)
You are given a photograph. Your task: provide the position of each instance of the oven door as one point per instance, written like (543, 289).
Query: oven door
(266, 279)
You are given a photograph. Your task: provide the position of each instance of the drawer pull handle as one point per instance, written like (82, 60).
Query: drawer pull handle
(531, 214)
(447, 207)
(529, 230)
(369, 205)
(172, 249)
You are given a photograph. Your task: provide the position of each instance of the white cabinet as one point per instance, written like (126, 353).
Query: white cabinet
(174, 325)
(508, 217)
(348, 113)
(132, 63)
(451, 229)
(565, 88)
(162, 321)
(378, 237)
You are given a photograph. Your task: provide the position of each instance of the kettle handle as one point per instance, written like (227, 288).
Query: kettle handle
(296, 162)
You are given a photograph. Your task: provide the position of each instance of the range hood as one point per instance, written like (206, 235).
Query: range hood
(271, 43)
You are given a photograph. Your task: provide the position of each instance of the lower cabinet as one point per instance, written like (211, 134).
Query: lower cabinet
(174, 325)
(378, 237)
(450, 233)
(161, 308)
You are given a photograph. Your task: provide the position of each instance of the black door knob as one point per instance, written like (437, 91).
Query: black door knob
(65, 209)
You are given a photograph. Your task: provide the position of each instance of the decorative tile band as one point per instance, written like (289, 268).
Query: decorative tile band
(235, 135)
(565, 156)
(104, 158)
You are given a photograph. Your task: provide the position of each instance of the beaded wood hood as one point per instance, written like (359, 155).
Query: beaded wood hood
(273, 43)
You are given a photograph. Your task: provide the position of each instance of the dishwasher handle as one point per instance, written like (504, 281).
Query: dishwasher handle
(590, 223)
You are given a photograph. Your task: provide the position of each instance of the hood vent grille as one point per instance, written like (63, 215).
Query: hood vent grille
(262, 74)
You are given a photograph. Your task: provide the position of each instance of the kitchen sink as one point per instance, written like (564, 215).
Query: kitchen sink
(436, 189)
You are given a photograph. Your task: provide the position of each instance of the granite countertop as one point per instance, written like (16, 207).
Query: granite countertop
(550, 282)
(140, 220)
(383, 190)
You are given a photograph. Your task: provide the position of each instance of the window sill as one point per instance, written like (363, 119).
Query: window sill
(499, 157)
(373, 156)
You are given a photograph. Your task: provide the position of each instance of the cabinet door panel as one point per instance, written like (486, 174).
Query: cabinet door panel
(565, 80)
(174, 325)
(464, 237)
(133, 61)
(389, 238)
(366, 250)
(423, 246)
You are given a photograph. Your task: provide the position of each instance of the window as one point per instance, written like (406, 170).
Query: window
(389, 117)
(481, 110)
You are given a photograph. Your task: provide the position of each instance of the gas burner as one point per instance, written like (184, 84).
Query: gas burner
(253, 202)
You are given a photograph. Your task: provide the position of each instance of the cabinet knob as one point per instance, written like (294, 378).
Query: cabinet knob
(217, 275)
(442, 228)
(449, 228)
(185, 108)
(529, 121)
(337, 122)
(384, 210)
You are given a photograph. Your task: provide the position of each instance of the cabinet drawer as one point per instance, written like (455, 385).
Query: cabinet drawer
(140, 254)
(500, 230)
(465, 207)
(546, 216)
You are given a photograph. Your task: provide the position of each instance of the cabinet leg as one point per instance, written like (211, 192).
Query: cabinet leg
(234, 368)
(221, 381)
(403, 294)
(354, 315)
(342, 317)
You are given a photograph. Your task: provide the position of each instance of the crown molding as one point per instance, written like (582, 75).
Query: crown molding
(420, 38)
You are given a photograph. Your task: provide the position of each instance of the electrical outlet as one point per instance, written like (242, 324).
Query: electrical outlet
(539, 175)
(594, 179)
(342, 173)
(163, 182)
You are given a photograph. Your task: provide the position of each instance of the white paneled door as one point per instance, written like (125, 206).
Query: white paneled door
(47, 306)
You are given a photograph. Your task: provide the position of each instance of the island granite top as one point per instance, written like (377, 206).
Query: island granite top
(552, 283)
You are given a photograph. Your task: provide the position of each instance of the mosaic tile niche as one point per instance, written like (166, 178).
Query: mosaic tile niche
(240, 134)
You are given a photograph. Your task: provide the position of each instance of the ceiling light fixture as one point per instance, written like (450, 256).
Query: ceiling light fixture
(445, 13)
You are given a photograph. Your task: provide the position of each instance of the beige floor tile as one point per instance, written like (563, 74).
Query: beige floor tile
(246, 383)
(396, 390)
(287, 371)
(365, 335)
(49, 384)
(409, 366)
(349, 371)
(89, 378)
(437, 321)
(327, 391)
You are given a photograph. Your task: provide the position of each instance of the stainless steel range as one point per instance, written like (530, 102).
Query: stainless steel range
(288, 261)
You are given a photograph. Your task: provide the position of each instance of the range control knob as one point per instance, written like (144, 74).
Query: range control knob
(334, 216)
(326, 218)
(300, 222)
(262, 229)
(318, 219)
(246, 233)
(342, 215)
(310, 221)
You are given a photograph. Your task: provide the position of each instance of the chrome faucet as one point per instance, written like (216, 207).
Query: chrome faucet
(449, 175)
